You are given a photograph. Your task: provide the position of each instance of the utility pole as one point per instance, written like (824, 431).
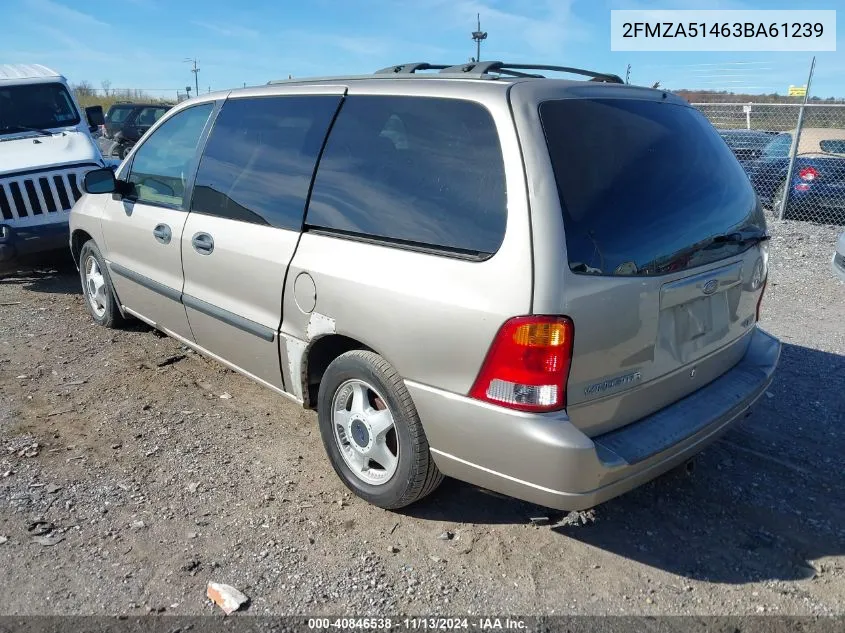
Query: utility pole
(628, 74)
(196, 72)
(478, 35)
(787, 188)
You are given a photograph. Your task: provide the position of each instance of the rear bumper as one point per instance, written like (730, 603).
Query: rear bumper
(546, 460)
(20, 242)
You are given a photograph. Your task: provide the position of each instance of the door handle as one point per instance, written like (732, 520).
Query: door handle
(162, 233)
(203, 243)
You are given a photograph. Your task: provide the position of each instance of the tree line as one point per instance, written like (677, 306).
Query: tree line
(713, 96)
(87, 95)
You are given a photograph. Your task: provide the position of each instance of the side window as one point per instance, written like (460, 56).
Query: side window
(260, 156)
(425, 171)
(160, 166)
(148, 116)
(833, 146)
(118, 115)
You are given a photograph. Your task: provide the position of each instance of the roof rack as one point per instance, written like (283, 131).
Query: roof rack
(402, 69)
(504, 68)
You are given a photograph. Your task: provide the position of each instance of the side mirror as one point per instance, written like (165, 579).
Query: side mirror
(95, 116)
(100, 181)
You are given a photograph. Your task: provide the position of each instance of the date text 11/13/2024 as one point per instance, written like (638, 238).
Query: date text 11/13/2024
(419, 624)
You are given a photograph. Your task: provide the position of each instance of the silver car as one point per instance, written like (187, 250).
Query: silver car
(548, 288)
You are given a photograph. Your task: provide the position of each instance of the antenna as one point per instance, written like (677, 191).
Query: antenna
(628, 74)
(478, 35)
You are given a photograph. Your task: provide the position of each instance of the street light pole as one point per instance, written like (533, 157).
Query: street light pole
(478, 35)
(196, 72)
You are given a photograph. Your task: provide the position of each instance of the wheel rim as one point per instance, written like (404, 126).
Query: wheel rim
(365, 432)
(95, 286)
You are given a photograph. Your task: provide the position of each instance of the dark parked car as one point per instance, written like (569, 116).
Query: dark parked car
(818, 178)
(126, 123)
(747, 145)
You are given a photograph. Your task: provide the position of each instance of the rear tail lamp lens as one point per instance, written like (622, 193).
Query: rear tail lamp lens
(808, 173)
(527, 366)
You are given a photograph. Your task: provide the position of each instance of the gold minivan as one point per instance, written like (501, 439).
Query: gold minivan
(549, 288)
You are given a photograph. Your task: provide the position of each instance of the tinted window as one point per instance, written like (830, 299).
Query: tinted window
(644, 186)
(259, 160)
(161, 165)
(419, 170)
(833, 146)
(40, 105)
(118, 115)
(148, 116)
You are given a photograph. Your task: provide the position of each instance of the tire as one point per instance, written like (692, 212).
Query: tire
(97, 289)
(415, 474)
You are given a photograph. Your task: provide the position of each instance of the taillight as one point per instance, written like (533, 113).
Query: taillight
(808, 173)
(527, 366)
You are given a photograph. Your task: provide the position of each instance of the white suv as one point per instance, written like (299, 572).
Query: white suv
(45, 148)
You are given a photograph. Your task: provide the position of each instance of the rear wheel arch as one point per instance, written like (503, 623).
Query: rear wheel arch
(318, 356)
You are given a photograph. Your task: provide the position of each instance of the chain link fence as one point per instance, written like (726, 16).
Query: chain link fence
(793, 154)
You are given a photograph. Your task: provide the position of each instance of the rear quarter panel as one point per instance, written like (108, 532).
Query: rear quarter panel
(432, 317)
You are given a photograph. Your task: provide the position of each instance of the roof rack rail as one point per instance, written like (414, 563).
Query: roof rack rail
(403, 69)
(504, 68)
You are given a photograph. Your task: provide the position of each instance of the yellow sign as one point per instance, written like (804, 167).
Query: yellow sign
(797, 91)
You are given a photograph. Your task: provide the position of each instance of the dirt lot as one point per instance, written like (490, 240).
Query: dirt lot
(159, 471)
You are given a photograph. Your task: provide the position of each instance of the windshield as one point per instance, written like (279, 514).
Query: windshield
(647, 188)
(41, 106)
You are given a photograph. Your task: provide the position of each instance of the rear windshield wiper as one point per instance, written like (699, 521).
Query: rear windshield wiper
(739, 238)
(23, 128)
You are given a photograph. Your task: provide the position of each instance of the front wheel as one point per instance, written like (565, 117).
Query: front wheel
(372, 432)
(97, 287)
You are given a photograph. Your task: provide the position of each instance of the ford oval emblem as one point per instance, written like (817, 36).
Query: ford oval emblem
(710, 287)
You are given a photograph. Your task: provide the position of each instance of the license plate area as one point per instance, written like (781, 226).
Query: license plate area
(695, 314)
(694, 319)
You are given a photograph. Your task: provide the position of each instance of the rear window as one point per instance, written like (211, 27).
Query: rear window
(413, 171)
(745, 141)
(644, 186)
(779, 146)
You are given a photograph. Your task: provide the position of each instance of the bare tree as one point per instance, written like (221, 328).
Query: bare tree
(106, 84)
(84, 89)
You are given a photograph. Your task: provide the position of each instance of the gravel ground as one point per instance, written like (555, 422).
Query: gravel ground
(155, 471)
